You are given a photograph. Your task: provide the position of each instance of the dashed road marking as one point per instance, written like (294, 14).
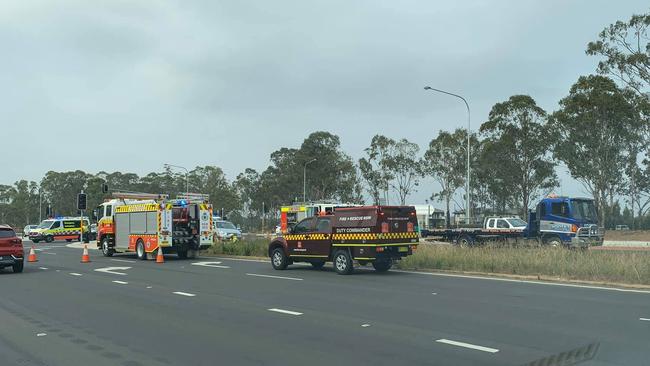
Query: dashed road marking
(41, 334)
(434, 293)
(123, 260)
(467, 345)
(75, 274)
(149, 286)
(184, 293)
(121, 282)
(365, 325)
(50, 253)
(278, 277)
(43, 268)
(645, 319)
(289, 312)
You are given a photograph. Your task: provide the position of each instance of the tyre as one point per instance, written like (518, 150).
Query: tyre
(107, 251)
(343, 262)
(382, 266)
(318, 264)
(465, 241)
(279, 260)
(553, 241)
(49, 239)
(35, 241)
(182, 253)
(140, 251)
(18, 266)
(68, 240)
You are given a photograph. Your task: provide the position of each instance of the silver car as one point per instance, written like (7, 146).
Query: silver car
(226, 230)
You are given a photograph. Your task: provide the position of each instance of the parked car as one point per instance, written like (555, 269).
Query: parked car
(11, 249)
(226, 230)
(27, 229)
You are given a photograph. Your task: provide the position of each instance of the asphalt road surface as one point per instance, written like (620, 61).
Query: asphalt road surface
(218, 311)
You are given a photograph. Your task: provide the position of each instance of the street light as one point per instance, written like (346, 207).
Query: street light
(304, 180)
(467, 207)
(187, 189)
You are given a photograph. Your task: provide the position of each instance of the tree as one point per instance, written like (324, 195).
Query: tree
(60, 189)
(445, 161)
(520, 143)
(374, 170)
(212, 181)
(625, 47)
(593, 124)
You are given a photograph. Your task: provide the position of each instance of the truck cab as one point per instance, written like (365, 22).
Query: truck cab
(380, 235)
(571, 222)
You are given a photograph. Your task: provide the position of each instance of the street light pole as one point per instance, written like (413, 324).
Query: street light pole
(187, 189)
(467, 199)
(304, 180)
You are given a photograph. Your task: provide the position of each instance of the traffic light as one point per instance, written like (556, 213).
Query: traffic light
(81, 201)
(104, 188)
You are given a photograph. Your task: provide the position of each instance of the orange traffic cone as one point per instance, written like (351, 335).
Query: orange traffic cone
(160, 258)
(85, 258)
(32, 255)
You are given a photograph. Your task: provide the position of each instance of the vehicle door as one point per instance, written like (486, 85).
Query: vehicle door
(298, 240)
(320, 241)
(502, 224)
(490, 224)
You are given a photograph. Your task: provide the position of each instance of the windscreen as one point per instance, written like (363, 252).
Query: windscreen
(45, 224)
(225, 225)
(517, 222)
(584, 210)
(7, 233)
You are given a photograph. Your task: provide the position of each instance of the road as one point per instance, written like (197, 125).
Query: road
(209, 311)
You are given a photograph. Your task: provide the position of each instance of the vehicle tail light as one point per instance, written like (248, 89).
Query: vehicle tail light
(574, 228)
(16, 241)
(414, 247)
(409, 227)
(379, 249)
(384, 227)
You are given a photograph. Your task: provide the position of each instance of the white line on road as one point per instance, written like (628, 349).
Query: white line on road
(434, 293)
(49, 253)
(112, 270)
(41, 334)
(123, 260)
(365, 325)
(42, 268)
(75, 274)
(269, 276)
(121, 282)
(183, 293)
(285, 311)
(467, 345)
(645, 319)
(209, 264)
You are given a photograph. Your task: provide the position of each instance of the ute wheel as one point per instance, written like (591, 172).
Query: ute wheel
(318, 264)
(182, 253)
(49, 239)
(382, 266)
(465, 241)
(343, 262)
(139, 250)
(107, 251)
(279, 260)
(553, 241)
(18, 267)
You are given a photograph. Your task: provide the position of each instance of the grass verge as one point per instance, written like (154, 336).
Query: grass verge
(246, 248)
(562, 264)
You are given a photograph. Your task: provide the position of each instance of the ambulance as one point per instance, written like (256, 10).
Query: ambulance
(142, 223)
(60, 228)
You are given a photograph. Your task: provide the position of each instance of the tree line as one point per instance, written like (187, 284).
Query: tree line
(600, 134)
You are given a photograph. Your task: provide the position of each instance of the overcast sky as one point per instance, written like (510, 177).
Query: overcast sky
(141, 83)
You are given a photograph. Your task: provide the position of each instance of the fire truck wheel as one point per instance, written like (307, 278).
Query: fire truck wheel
(343, 262)
(182, 253)
(107, 251)
(279, 260)
(139, 250)
(68, 240)
(382, 266)
(35, 241)
(49, 239)
(318, 264)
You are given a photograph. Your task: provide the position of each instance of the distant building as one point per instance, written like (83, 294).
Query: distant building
(429, 217)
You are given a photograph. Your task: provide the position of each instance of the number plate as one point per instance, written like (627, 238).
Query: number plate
(403, 249)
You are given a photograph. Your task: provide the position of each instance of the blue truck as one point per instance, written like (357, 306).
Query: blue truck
(556, 221)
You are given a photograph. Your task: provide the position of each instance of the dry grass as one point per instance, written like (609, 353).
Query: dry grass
(249, 248)
(601, 266)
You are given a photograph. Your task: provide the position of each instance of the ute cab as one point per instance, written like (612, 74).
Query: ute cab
(380, 235)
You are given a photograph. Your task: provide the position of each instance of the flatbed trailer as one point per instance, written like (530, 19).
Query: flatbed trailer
(471, 236)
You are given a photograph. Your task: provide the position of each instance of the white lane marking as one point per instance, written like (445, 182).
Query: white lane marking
(43, 268)
(365, 325)
(49, 253)
(149, 286)
(645, 319)
(525, 281)
(209, 264)
(41, 334)
(123, 260)
(434, 293)
(112, 270)
(467, 345)
(58, 270)
(285, 311)
(75, 274)
(269, 276)
(184, 293)
(121, 282)
(245, 260)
